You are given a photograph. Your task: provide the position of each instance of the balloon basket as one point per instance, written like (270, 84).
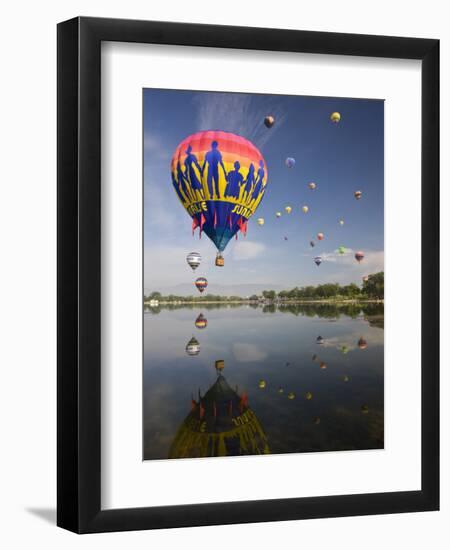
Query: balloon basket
(220, 262)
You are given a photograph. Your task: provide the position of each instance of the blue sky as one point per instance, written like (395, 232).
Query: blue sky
(339, 158)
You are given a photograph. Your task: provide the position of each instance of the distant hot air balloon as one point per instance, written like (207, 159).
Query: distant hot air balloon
(323, 365)
(269, 121)
(344, 349)
(365, 278)
(201, 283)
(335, 117)
(290, 162)
(308, 395)
(312, 244)
(359, 256)
(312, 186)
(341, 222)
(362, 344)
(291, 395)
(342, 250)
(288, 209)
(318, 260)
(260, 221)
(193, 347)
(278, 214)
(320, 236)
(194, 259)
(201, 322)
(305, 209)
(345, 378)
(220, 179)
(358, 195)
(280, 390)
(285, 238)
(320, 340)
(261, 384)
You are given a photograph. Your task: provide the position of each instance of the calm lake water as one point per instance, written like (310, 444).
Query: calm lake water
(288, 379)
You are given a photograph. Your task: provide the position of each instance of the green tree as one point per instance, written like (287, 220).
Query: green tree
(269, 294)
(374, 285)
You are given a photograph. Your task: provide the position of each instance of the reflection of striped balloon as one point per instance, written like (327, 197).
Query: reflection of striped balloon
(194, 259)
(193, 347)
(201, 283)
(201, 322)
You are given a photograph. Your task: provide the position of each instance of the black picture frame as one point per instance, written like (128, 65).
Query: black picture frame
(79, 280)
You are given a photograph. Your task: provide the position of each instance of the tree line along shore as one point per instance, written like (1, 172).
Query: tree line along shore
(371, 291)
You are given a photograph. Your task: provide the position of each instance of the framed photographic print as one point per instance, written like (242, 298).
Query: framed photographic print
(248, 309)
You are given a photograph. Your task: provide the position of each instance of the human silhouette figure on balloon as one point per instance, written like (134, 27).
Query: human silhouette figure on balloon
(213, 159)
(182, 181)
(249, 182)
(235, 179)
(259, 183)
(190, 163)
(176, 186)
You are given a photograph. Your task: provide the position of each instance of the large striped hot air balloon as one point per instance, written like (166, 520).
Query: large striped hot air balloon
(220, 179)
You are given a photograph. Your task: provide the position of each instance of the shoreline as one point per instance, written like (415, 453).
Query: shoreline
(325, 301)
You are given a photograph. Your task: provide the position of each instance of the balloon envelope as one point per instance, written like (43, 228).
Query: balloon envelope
(317, 260)
(358, 195)
(305, 209)
(320, 236)
(312, 186)
(193, 259)
(290, 162)
(269, 121)
(335, 117)
(201, 283)
(260, 221)
(220, 179)
(359, 256)
(288, 209)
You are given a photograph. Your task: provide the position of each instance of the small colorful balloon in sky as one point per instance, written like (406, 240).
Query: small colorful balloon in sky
(201, 283)
(335, 117)
(269, 121)
(290, 162)
(359, 256)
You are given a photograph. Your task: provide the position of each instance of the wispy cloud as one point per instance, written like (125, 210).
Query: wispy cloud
(247, 353)
(154, 147)
(247, 250)
(237, 113)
